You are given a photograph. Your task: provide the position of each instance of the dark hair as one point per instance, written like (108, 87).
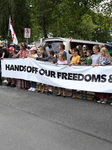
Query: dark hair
(81, 53)
(23, 44)
(42, 53)
(89, 51)
(51, 52)
(87, 48)
(62, 46)
(75, 50)
(43, 49)
(4, 49)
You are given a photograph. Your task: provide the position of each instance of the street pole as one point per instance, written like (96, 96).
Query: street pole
(27, 42)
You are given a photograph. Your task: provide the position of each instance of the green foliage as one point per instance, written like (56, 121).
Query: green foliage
(80, 19)
(20, 15)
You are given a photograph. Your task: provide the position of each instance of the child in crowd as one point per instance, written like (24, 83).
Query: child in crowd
(95, 61)
(61, 61)
(32, 53)
(41, 56)
(88, 62)
(88, 59)
(61, 50)
(22, 84)
(53, 60)
(74, 61)
(43, 50)
(11, 51)
(82, 56)
(95, 57)
(105, 59)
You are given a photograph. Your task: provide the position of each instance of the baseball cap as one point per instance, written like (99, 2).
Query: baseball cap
(11, 48)
(33, 49)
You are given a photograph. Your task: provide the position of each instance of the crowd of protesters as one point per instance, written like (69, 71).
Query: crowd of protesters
(80, 56)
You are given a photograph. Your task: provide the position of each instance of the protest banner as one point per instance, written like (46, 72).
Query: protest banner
(86, 78)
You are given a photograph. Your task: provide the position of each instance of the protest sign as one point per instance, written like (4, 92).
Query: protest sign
(86, 78)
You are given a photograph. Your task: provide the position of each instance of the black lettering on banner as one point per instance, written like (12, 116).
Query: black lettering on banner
(75, 77)
(70, 76)
(33, 69)
(36, 70)
(12, 67)
(53, 74)
(41, 72)
(110, 79)
(58, 75)
(16, 67)
(80, 77)
(21, 68)
(47, 73)
(24, 68)
(103, 78)
(96, 78)
(88, 78)
(29, 69)
(64, 75)
(7, 67)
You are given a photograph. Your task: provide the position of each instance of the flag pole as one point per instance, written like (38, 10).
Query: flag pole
(9, 26)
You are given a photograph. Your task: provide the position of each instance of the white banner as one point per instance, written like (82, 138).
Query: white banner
(86, 78)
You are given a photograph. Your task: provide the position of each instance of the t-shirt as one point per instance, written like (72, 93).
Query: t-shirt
(75, 59)
(89, 61)
(10, 56)
(34, 55)
(83, 59)
(1, 51)
(5, 51)
(49, 59)
(104, 60)
(62, 62)
(63, 53)
(95, 59)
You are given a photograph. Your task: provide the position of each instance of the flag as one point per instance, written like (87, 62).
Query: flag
(14, 38)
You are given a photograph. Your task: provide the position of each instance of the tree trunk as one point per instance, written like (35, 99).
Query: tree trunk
(44, 27)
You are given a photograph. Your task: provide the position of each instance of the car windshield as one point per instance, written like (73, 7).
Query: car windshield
(52, 45)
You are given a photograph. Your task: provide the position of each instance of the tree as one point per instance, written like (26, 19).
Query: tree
(20, 15)
(42, 14)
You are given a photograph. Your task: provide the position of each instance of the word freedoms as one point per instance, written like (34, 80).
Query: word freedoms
(87, 78)
(62, 75)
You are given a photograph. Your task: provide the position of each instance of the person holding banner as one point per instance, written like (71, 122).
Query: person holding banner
(32, 53)
(105, 59)
(95, 57)
(11, 51)
(1, 52)
(88, 59)
(61, 61)
(74, 61)
(22, 84)
(52, 60)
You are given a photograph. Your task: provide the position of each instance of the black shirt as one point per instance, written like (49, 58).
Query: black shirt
(1, 52)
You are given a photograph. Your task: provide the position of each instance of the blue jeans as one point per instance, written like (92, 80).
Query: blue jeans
(33, 84)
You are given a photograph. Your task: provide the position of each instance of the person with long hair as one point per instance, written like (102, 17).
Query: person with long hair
(105, 59)
(81, 54)
(74, 61)
(61, 50)
(61, 61)
(22, 84)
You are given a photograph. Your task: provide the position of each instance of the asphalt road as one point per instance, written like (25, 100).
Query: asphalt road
(34, 121)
